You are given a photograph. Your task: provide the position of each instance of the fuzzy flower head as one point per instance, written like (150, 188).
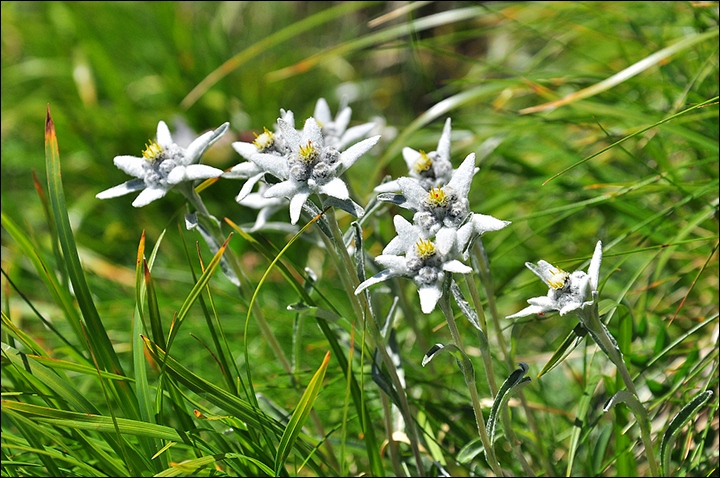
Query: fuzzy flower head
(424, 261)
(309, 165)
(568, 292)
(429, 170)
(164, 165)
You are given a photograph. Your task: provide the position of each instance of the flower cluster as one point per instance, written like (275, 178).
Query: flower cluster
(443, 226)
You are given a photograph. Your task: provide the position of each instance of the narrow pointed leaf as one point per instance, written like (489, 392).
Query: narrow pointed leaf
(677, 422)
(514, 382)
(302, 410)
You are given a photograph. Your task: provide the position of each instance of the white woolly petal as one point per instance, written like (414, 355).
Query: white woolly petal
(163, 136)
(350, 155)
(544, 270)
(544, 302)
(289, 133)
(394, 263)
(355, 133)
(336, 187)
(570, 307)
(149, 195)
(445, 240)
(284, 189)
(388, 187)
(194, 152)
(322, 111)
(407, 236)
(457, 266)
(443, 148)
(429, 297)
(246, 150)
(410, 156)
(312, 132)
(342, 120)
(532, 310)
(275, 165)
(462, 176)
(296, 203)
(413, 192)
(122, 189)
(192, 172)
(377, 278)
(594, 269)
(131, 165)
(247, 187)
(243, 171)
(483, 223)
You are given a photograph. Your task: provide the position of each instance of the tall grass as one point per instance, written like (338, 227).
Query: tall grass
(127, 352)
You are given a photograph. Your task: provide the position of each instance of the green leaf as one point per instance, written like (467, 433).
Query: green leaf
(677, 422)
(302, 410)
(512, 384)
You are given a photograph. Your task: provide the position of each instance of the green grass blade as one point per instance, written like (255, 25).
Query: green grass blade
(191, 467)
(300, 415)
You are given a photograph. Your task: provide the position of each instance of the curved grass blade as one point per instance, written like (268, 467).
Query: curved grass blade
(641, 131)
(677, 422)
(626, 74)
(463, 360)
(276, 38)
(512, 384)
(191, 467)
(89, 421)
(300, 415)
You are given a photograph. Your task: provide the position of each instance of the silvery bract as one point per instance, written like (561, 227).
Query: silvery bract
(335, 130)
(428, 169)
(424, 261)
(309, 165)
(164, 165)
(567, 292)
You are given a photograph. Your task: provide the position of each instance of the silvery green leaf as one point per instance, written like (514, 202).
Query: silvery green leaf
(462, 359)
(470, 451)
(464, 306)
(313, 211)
(304, 309)
(514, 382)
(347, 205)
(398, 199)
(677, 422)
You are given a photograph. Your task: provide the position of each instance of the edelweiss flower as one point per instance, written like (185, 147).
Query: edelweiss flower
(336, 131)
(428, 169)
(425, 262)
(568, 292)
(164, 165)
(265, 143)
(267, 207)
(447, 206)
(310, 166)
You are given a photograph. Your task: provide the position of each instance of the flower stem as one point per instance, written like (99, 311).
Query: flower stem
(444, 304)
(348, 274)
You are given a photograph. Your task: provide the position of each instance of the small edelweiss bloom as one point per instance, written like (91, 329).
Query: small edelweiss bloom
(567, 292)
(447, 206)
(267, 142)
(425, 262)
(267, 207)
(310, 166)
(431, 169)
(335, 130)
(164, 165)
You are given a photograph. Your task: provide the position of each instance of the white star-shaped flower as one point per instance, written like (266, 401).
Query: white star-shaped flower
(567, 292)
(428, 169)
(163, 166)
(448, 206)
(424, 261)
(309, 166)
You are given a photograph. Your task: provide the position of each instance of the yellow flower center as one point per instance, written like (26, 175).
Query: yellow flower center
(557, 278)
(437, 197)
(423, 163)
(152, 150)
(264, 140)
(425, 248)
(308, 153)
